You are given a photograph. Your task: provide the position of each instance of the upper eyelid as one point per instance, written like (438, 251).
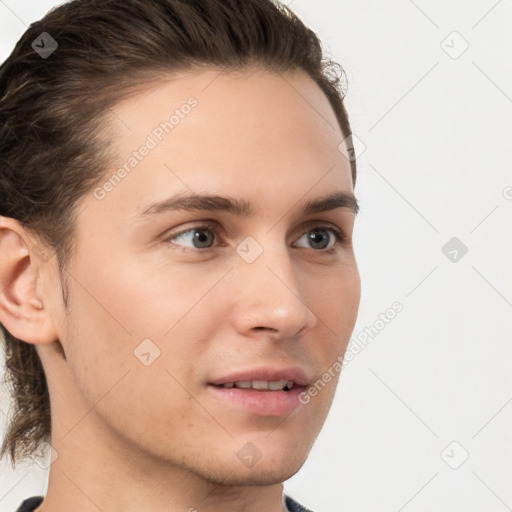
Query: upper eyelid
(322, 224)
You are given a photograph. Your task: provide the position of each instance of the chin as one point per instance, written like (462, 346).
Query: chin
(259, 475)
(272, 468)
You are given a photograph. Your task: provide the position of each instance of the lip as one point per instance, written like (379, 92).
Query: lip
(261, 402)
(258, 402)
(298, 375)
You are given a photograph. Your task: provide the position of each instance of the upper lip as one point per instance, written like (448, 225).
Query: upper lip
(266, 373)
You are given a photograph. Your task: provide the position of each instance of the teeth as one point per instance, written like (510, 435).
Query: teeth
(280, 384)
(244, 384)
(260, 384)
(277, 385)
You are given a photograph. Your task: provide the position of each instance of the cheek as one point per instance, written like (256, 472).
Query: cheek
(159, 295)
(116, 384)
(100, 347)
(336, 306)
(117, 305)
(335, 301)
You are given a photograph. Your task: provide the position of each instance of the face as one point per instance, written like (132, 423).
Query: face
(174, 297)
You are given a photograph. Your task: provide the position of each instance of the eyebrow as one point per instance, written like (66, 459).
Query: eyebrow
(242, 207)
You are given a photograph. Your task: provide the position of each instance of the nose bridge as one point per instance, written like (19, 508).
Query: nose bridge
(268, 289)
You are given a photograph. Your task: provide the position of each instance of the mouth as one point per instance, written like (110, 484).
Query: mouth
(263, 391)
(260, 385)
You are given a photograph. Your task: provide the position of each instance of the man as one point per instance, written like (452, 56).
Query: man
(178, 278)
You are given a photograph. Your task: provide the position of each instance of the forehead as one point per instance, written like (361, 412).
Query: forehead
(235, 96)
(227, 133)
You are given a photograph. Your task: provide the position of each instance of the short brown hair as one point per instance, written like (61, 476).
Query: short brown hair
(51, 151)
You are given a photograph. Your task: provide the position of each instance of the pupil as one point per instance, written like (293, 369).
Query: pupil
(201, 237)
(316, 238)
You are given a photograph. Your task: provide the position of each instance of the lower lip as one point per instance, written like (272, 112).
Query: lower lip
(263, 403)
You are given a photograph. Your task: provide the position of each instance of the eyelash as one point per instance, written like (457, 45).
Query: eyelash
(339, 236)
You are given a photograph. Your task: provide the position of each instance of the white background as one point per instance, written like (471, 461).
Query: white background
(436, 133)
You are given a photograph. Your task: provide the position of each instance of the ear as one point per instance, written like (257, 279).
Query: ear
(22, 304)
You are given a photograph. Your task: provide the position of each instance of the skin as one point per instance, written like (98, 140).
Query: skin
(131, 437)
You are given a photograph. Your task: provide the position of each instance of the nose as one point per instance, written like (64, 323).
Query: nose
(268, 298)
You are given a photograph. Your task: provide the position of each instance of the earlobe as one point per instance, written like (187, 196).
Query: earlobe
(22, 311)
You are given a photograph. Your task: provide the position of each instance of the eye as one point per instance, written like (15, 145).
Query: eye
(320, 238)
(199, 237)
(323, 238)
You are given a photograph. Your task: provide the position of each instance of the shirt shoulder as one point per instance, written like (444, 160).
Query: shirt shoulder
(294, 506)
(30, 504)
